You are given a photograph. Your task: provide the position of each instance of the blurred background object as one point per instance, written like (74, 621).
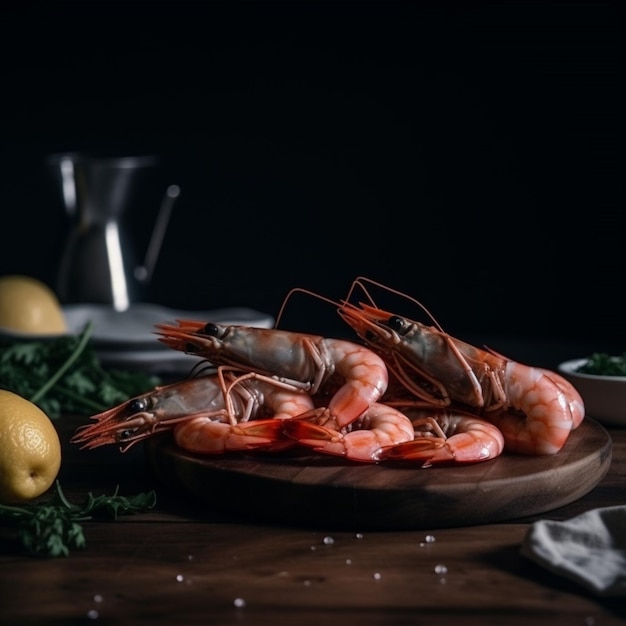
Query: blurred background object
(468, 154)
(100, 262)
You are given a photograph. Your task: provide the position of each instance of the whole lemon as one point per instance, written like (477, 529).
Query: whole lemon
(27, 305)
(30, 449)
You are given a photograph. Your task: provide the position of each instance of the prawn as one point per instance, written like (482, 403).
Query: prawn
(446, 436)
(197, 411)
(299, 361)
(534, 408)
(379, 427)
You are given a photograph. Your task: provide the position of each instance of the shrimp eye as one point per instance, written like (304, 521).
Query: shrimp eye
(137, 406)
(213, 330)
(398, 324)
(126, 434)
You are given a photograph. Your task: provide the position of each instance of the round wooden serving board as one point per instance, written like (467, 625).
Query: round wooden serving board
(300, 488)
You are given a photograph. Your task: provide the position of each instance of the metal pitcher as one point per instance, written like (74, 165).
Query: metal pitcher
(99, 263)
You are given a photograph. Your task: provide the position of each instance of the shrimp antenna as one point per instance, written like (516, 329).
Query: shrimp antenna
(307, 292)
(361, 281)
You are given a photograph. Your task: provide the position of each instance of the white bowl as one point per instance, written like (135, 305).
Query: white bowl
(604, 396)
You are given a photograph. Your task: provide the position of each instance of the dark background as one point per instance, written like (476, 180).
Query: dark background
(468, 154)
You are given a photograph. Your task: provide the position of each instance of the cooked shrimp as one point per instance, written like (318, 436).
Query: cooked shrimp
(361, 440)
(205, 416)
(534, 409)
(446, 436)
(298, 361)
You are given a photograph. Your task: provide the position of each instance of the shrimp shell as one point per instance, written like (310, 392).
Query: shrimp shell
(310, 363)
(446, 436)
(379, 426)
(535, 409)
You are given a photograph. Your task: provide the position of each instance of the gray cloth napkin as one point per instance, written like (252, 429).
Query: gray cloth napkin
(589, 549)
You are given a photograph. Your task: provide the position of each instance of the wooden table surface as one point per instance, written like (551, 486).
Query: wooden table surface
(189, 563)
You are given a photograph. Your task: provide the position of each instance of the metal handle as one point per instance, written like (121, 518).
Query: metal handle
(143, 273)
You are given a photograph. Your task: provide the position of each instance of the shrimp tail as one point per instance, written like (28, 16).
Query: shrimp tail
(426, 451)
(309, 430)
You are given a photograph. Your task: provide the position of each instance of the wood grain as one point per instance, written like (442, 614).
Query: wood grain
(187, 561)
(304, 489)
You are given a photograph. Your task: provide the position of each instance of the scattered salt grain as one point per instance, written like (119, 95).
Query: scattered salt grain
(239, 603)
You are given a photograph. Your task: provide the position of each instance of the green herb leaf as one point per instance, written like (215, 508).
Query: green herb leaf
(53, 528)
(602, 364)
(64, 375)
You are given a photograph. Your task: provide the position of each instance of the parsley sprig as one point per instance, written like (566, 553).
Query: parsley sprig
(54, 528)
(64, 375)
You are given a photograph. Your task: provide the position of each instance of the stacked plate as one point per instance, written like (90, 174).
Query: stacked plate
(128, 340)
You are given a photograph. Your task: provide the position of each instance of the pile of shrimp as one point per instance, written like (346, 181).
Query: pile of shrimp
(404, 392)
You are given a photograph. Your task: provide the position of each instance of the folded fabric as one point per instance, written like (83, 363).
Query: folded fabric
(589, 549)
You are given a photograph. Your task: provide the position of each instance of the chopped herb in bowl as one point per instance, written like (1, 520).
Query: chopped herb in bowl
(602, 364)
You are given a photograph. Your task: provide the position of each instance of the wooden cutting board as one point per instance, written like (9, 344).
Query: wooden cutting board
(300, 488)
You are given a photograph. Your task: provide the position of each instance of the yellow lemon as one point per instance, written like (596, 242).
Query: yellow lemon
(30, 449)
(29, 306)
